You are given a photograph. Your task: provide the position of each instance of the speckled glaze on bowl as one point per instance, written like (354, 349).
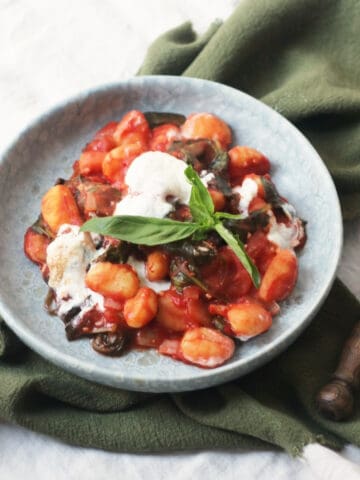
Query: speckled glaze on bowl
(46, 151)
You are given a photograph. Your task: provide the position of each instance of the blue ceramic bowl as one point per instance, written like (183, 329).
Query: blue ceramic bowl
(46, 151)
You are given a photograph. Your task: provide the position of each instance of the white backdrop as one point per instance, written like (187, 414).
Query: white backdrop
(49, 51)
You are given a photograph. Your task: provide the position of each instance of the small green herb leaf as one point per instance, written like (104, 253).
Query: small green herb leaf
(238, 247)
(201, 204)
(141, 230)
(229, 216)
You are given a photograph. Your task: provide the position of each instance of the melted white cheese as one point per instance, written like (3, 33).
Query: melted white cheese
(244, 338)
(139, 267)
(247, 191)
(285, 236)
(151, 178)
(289, 210)
(206, 177)
(68, 257)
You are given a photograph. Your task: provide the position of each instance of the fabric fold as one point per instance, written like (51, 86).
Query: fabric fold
(179, 47)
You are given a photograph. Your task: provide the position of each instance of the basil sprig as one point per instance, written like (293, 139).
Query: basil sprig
(141, 230)
(203, 212)
(156, 231)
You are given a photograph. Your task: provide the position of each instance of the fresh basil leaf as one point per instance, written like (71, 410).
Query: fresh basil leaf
(201, 204)
(200, 234)
(198, 211)
(141, 230)
(155, 119)
(237, 246)
(229, 216)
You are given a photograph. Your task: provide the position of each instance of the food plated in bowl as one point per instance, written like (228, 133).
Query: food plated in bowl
(166, 237)
(47, 150)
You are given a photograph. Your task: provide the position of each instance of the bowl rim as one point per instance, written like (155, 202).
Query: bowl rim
(209, 376)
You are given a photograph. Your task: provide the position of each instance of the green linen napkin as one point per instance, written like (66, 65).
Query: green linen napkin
(302, 58)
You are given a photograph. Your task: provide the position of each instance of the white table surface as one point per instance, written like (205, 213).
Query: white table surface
(50, 51)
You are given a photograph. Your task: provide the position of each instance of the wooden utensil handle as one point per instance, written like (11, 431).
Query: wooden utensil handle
(336, 399)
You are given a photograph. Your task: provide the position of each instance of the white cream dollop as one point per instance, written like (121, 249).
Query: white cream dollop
(68, 257)
(151, 178)
(206, 177)
(286, 236)
(247, 191)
